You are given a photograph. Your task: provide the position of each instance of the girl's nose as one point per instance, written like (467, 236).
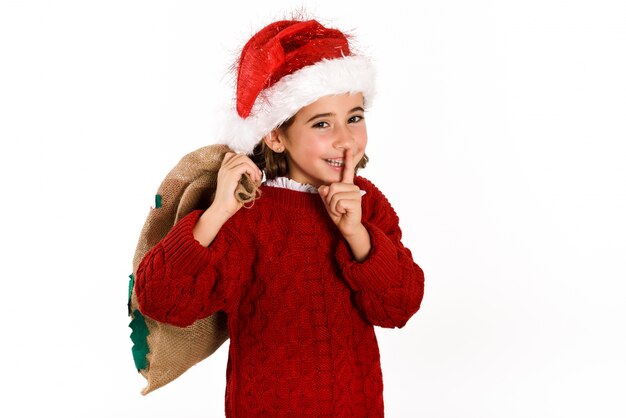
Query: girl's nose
(344, 138)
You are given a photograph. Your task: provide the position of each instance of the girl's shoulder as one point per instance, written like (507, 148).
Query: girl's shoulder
(374, 202)
(370, 189)
(365, 184)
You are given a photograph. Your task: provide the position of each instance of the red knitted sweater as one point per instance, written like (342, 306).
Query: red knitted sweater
(300, 309)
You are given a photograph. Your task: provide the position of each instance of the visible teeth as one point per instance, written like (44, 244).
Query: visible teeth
(335, 163)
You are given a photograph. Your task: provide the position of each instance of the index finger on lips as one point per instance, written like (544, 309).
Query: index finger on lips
(347, 176)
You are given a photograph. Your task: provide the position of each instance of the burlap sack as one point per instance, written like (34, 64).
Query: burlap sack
(163, 352)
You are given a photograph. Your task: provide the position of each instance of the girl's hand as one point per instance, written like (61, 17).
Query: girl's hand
(343, 200)
(343, 204)
(225, 204)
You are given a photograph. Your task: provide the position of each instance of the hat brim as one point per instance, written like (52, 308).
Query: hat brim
(351, 74)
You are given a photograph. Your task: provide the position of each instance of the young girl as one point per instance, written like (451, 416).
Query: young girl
(307, 271)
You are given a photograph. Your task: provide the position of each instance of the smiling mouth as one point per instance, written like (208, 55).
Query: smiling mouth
(335, 163)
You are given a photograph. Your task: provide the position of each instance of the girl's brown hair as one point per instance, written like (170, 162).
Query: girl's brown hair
(274, 164)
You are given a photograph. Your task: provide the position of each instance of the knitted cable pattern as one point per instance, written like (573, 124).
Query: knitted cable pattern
(300, 309)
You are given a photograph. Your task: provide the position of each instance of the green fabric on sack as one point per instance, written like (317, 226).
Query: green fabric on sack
(157, 201)
(139, 337)
(131, 284)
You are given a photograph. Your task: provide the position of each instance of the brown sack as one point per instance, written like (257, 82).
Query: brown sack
(162, 352)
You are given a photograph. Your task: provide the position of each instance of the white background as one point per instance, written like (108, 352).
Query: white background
(497, 134)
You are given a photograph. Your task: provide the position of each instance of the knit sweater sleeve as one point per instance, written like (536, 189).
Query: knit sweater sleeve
(179, 281)
(388, 286)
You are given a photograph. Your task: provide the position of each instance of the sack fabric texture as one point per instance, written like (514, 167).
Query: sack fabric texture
(163, 352)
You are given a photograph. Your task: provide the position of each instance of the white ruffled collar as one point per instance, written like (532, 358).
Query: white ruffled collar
(287, 183)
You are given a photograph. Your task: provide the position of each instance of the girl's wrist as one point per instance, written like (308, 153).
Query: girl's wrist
(359, 232)
(217, 214)
(209, 224)
(360, 243)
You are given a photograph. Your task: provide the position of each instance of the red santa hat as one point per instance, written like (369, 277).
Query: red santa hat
(288, 65)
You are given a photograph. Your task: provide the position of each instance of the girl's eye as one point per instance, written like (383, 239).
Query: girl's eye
(321, 125)
(355, 119)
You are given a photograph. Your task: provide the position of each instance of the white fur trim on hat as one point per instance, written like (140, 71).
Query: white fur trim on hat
(352, 74)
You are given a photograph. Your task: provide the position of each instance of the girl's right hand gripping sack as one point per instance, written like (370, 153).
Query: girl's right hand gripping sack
(162, 352)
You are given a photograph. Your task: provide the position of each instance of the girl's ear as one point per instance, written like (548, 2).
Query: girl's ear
(274, 141)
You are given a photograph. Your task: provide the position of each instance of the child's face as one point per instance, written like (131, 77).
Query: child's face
(316, 142)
